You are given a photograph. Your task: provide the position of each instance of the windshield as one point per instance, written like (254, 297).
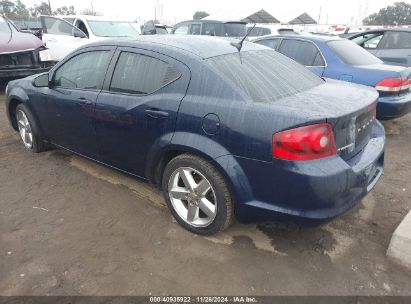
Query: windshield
(352, 53)
(265, 76)
(234, 30)
(112, 29)
(5, 27)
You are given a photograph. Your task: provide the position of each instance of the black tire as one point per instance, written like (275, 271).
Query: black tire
(225, 213)
(37, 143)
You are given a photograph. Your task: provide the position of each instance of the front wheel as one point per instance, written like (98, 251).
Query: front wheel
(28, 130)
(197, 195)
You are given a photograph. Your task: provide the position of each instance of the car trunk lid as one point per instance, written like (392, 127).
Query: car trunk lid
(349, 108)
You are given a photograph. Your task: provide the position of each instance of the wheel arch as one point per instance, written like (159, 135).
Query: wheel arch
(218, 156)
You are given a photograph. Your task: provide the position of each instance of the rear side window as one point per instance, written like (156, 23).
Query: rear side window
(272, 43)
(396, 40)
(265, 76)
(141, 75)
(84, 71)
(303, 52)
(352, 53)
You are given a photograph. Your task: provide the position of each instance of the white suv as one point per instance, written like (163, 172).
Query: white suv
(62, 35)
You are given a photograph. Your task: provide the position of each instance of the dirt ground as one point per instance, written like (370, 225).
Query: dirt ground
(72, 227)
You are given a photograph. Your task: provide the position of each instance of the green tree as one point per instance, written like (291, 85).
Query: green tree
(65, 10)
(42, 9)
(7, 8)
(90, 12)
(397, 14)
(200, 15)
(21, 10)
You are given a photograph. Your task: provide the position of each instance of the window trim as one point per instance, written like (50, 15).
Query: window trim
(83, 51)
(305, 40)
(107, 86)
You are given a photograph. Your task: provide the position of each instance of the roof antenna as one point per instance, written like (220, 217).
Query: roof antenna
(239, 45)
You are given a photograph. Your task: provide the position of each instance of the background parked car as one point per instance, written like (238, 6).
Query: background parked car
(210, 28)
(198, 122)
(392, 46)
(342, 59)
(21, 54)
(64, 35)
(151, 28)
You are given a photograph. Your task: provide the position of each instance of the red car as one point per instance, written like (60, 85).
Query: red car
(21, 54)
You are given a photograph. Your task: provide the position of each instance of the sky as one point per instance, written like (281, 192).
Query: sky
(335, 11)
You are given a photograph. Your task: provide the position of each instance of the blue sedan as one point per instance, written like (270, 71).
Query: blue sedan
(343, 59)
(251, 134)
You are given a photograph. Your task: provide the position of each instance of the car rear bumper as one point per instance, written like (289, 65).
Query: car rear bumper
(305, 192)
(393, 107)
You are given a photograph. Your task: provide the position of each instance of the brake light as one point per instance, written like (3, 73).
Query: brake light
(305, 143)
(394, 85)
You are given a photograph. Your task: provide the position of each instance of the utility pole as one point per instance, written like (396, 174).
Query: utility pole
(319, 15)
(50, 8)
(92, 7)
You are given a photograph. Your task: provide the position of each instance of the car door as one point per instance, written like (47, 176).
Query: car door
(305, 53)
(68, 104)
(395, 48)
(61, 37)
(137, 109)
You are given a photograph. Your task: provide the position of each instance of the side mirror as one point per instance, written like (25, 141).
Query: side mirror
(41, 81)
(79, 34)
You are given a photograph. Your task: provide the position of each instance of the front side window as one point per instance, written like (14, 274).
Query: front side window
(141, 75)
(373, 42)
(84, 71)
(57, 26)
(195, 29)
(181, 29)
(212, 29)
(303, 52)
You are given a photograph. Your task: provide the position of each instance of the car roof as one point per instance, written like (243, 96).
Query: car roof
(384, 30)
(211, 21)
(95, 18)
(198, 46)
(314, 38)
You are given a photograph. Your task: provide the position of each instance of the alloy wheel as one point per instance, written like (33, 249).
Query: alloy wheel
(25, 129)
(192, 197)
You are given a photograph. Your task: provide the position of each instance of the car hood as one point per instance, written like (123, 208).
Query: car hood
(17, 41)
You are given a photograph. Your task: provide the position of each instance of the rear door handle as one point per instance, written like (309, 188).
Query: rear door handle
(156, 113)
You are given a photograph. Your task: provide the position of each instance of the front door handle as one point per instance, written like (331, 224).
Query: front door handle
(154, 113)
(84, 101)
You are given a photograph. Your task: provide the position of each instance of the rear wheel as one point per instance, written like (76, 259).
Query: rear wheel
(28, 130)
(197, 195)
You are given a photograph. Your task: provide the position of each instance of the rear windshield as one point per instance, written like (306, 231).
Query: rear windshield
(266, 75)
(352, 53)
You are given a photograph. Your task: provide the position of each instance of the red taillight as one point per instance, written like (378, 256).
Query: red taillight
(305, 143)
(394, 85)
